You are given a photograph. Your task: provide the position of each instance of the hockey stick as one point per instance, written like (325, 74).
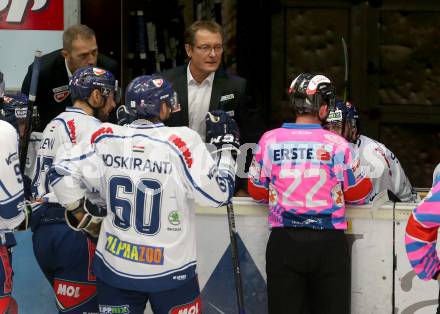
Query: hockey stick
(393, 302)
(2, 89)
(344, 46)
(30, 112)
(235, 258)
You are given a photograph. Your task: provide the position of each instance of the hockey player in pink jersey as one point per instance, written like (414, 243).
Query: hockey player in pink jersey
(307, 174)
(149, 177)
(421, 236)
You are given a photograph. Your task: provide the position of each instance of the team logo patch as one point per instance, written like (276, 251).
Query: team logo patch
(71, 294)
(227, 97)
(174, 218)
(114, 309)
(337, 195)
(273, 195)
(158, 82)
(99, 71)
(61, 96)
(194, 307)
(322, 154)
(61, 93)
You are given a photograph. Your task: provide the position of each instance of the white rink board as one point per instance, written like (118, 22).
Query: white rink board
(371, 233)
(412, 294)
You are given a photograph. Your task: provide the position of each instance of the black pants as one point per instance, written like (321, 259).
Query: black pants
(438, 307)
(308, 269)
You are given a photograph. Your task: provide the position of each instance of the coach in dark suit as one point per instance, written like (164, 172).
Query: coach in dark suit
(201, 86)
(79, 49)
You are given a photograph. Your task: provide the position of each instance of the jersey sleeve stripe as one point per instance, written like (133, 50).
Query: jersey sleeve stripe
(258, 192)
(66, 128)
(3, 187)
(12, 197)
(359, 191)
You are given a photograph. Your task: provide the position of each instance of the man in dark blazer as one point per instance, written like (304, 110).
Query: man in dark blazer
(79, 49)
(201, 87)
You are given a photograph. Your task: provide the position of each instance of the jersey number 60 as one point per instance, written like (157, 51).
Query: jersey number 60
(136, 205)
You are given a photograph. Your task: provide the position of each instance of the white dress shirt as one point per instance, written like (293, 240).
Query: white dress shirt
(199, 96)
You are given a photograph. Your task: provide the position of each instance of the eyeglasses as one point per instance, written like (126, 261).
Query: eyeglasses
(206, 49)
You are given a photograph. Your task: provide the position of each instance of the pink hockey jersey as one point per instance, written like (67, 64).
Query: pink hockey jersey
(309, 174)
(421, 234)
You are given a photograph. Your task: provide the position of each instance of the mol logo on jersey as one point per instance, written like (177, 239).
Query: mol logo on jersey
(32, 15)
(190, 308)
(70, 294)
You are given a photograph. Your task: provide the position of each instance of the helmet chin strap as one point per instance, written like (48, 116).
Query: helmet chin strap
(96, 110)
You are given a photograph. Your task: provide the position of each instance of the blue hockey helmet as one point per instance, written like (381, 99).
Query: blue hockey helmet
(309, 91)
(353, 116)
(14, 109)
(146, 93)
(88, 78)
(344, 120)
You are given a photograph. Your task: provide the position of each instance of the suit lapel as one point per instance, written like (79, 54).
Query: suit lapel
(182, 87)
(217, 90)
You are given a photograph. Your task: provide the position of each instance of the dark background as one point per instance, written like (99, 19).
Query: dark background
(394, 64)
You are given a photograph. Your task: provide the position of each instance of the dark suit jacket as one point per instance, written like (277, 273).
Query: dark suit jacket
(224, 85)
(53, 84)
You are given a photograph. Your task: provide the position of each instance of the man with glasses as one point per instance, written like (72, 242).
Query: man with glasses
(202, 87)
(79, 49)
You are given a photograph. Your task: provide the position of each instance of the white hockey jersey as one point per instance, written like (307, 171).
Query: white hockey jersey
(436, 174)
(384, 169)
(62, 133)
(11, 184)
(150, 176)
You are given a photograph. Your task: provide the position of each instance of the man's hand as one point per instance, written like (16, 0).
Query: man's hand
(86, 216)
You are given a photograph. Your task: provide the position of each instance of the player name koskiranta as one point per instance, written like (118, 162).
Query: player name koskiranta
(134, 163)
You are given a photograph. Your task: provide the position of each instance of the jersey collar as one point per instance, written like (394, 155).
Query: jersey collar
(77, 110)
(301, 126)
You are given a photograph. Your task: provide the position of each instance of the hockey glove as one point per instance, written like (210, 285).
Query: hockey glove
(222, 130)
(83, 215)
(123, 115)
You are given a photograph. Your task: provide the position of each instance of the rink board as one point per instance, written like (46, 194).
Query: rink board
(371, 240)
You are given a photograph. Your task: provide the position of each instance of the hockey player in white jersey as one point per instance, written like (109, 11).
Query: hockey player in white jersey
(15, 112)
(12, 201)
(65, 256)
(380, 164)
(150, 177)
